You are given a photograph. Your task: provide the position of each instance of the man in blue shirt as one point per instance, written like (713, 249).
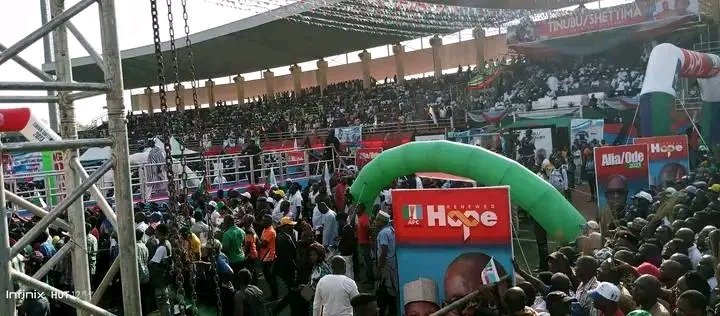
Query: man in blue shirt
(387, 264)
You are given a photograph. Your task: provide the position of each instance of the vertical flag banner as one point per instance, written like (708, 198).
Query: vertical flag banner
(453, 241)
(620, 172)
(669, 158)
(584, 131)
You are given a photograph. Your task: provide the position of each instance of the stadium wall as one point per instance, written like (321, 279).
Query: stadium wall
(416, 62)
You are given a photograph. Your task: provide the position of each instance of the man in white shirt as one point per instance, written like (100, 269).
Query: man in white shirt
(334, 291)
(296, 200)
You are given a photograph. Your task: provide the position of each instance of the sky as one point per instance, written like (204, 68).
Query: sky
(135, 29)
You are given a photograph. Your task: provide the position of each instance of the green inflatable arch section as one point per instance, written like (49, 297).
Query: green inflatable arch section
(543, 202)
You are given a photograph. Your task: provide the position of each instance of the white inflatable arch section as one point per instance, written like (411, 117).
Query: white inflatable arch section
(668, 61)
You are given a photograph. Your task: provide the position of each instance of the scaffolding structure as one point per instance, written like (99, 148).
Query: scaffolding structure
(63, 91)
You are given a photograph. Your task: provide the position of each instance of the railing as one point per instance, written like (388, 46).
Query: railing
(712, 47)
(414, 126)
(223, 172)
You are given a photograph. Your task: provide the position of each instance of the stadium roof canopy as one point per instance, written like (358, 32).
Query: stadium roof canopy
(509, 4)
(299, 32)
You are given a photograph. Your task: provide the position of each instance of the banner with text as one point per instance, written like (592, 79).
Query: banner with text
(536, 144)
(584, 131)
(461, 236)
(349, 136)
(364, 155)
(588, 21)
(669, 158)
(620, 172)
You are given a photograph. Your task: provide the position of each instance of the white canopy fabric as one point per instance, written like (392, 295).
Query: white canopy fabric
(96, 154)
(175, 147)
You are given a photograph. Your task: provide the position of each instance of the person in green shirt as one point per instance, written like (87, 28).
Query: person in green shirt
(232, 243)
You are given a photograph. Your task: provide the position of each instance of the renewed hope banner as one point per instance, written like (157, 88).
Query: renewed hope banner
(365, 155)
(449, 243)
(620, 172)
(669, 158)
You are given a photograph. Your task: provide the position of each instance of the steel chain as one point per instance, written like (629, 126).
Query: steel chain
(199, 127)
(179, 256)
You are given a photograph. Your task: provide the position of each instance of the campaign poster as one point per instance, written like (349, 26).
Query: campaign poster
(364, 155)
(349, 136)
(620, 172)
(585, 131)
(669, 158)
(449, 243)
(535, 144)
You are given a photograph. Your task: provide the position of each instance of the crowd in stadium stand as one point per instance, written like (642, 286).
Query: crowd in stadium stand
(342, 104)
(523, 81)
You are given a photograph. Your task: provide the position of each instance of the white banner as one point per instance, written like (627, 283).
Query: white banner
(542, 141)
(430, 137)
(585, 131)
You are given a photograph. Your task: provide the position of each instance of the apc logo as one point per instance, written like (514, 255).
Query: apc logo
(437, 216)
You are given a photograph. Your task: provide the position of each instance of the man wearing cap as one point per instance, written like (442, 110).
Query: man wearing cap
(387, 264)
(605, 298)
(421, 297)
(246, 206)
(286, 266)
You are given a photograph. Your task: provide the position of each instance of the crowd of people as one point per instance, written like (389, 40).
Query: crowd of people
(341, 104)
(523, 81)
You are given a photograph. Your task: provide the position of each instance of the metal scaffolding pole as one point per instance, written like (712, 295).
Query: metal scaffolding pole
(7, 303)
(55, 145)
(85, 44)
(36, 210)
(29, 67)
(28, 99)
(59, 209)
(47, 53)
(44, 29)
(102, 203)
(68, 131)
(105, 283)
(55, 293)
(53, 85)
(117, 128)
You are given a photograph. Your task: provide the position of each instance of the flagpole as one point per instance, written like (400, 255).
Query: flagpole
(467, 298)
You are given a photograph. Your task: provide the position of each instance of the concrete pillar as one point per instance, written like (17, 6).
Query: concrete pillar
(178, 94)
(436, 44)
(296, 73)
(148, 100)
(399, 52)
(479, 35)
(240, 88)
(269, 83)
(321, 74)
(365, 58)
(210, 90)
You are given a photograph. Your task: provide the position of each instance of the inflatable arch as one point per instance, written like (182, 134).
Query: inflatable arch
(551, 210)
(657, 97)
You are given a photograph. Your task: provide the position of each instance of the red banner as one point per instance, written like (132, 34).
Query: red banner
(365, 155)
(621, 171)
(593, 20)
(454, 216)
(666, 147)
(699, 65)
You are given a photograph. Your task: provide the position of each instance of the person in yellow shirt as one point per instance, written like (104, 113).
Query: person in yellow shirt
(193, 244)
